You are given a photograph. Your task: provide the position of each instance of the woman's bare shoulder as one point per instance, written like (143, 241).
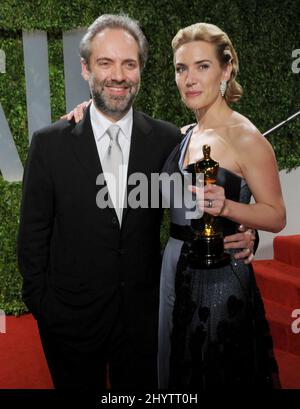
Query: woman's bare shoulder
(243, 129)
(244, 134)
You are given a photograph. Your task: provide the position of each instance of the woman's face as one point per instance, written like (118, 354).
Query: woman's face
(199, 74)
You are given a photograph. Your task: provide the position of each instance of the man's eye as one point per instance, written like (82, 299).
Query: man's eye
(131, 65)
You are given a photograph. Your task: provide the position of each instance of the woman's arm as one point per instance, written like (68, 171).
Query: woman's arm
(258, 164)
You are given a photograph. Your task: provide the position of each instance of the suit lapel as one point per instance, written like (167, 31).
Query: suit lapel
(140, 142)
(85, 150)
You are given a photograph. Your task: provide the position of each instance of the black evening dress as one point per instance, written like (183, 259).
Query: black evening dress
(212, 329)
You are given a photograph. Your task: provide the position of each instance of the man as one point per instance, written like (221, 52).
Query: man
(91, 274)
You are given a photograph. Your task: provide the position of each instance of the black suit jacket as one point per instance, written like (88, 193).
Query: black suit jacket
(80, 270)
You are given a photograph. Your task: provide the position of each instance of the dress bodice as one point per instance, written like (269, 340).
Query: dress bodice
(235, 187)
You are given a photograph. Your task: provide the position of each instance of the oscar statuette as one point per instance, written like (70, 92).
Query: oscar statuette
(208, 247)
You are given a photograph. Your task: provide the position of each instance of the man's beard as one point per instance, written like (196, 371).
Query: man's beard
(113, 105)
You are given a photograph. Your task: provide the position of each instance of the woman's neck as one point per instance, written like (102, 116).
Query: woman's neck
(213, 116)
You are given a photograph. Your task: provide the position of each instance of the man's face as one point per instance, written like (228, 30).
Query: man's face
(114, 72)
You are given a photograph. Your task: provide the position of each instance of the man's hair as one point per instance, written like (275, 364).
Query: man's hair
(116, 21)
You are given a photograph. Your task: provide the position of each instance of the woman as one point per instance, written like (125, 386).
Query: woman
(213, 330)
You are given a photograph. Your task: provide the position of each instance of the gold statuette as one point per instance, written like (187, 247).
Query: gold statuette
(208, 244)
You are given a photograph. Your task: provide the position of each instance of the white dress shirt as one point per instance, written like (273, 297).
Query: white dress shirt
(100, 125)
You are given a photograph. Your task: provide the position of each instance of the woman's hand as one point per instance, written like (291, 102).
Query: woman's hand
(210, 199)
(77, 112)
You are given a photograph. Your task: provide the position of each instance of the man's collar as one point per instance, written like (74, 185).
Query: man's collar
(102, 123)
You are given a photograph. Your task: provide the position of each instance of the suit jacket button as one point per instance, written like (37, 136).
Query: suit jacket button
(122, 283)
(114, 220)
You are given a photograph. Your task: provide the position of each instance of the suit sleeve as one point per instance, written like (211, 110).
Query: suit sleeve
(177, 138)
(36, 225)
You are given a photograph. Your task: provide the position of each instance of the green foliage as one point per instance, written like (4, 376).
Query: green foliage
(264, 33)
(10, 279)
(56, 76)
(12, 92)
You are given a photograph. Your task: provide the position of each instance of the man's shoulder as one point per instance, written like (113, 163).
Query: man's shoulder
(158, 123)
(55, 129)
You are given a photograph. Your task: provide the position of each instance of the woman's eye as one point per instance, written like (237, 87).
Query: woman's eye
(180, 69)
(203, 66)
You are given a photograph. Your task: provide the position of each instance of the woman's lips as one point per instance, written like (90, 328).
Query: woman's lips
(193, 93)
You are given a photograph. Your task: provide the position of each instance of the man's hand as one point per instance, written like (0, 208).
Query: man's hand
(244, 240)
(77, 112)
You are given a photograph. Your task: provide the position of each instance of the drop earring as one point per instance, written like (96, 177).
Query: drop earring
(223, 87)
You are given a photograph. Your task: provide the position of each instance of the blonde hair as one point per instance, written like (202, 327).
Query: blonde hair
(225, 52)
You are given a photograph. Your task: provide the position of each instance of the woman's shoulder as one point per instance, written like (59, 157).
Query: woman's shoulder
(244, 134)
(243, 130)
